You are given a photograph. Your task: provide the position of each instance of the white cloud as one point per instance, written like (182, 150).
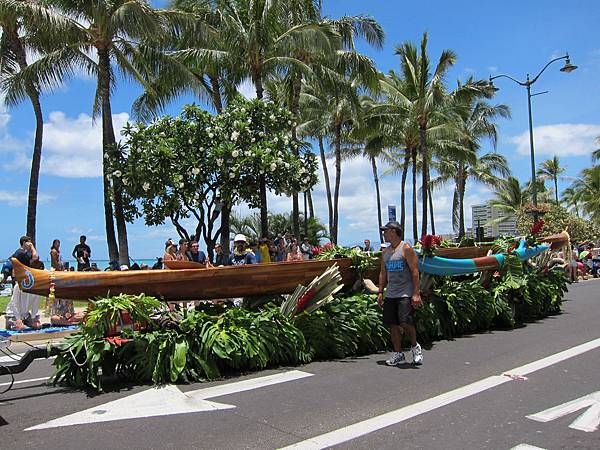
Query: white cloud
(493, 69)
(15, 198)
(561, 139)
(73, 146)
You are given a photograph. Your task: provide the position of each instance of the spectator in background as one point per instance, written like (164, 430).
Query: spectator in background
(56, 261)
(22, 310)
(294, 253)
(241, 255)
(158, 264)
(170, 251)
(367, 247)
(195, 254)
(306, 249)
(219, 256)
(263, 249)
(253, 247)
(182, 254)
(82, 253)
(281, 251)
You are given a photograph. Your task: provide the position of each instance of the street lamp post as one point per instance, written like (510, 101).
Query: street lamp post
(567, 68)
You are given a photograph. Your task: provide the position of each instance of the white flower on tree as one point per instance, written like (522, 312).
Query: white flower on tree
(273, 167)
(146, 186)
(195, 170)
(235, 153)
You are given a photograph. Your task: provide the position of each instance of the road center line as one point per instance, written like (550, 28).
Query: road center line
(400, 415)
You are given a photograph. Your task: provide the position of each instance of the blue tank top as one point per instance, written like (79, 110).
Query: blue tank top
(399, 276)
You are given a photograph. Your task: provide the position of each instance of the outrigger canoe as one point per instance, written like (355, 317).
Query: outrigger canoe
(192, 281)
(183, 284)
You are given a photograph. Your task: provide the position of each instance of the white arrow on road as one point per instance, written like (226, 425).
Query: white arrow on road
(588, 421)
(167, 400)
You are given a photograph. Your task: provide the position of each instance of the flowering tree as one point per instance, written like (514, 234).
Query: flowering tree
(197, 166)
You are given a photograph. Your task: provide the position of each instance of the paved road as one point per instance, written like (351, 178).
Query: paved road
(474, 392)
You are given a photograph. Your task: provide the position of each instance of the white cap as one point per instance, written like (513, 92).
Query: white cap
(240, 238)
(124, 267)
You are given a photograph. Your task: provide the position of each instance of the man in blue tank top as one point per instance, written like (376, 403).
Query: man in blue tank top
(400, 274)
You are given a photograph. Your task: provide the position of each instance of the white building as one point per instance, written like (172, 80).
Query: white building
(481, 214)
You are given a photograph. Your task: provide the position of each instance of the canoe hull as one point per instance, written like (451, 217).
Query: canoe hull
(183, 284)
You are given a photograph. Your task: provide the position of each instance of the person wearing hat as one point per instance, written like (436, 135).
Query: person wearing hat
(241, 254)
(400, 274)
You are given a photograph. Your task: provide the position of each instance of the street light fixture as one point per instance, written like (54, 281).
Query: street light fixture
(567, 68)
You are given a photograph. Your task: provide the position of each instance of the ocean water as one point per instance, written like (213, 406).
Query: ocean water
(101, 263)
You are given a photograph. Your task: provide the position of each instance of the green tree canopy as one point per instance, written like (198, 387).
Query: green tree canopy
(197, 164)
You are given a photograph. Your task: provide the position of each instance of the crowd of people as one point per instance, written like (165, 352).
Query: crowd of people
(583, 262)
(283, 248)
(22, 310)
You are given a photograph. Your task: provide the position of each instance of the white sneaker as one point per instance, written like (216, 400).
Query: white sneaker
(417, 355)
(396, 359)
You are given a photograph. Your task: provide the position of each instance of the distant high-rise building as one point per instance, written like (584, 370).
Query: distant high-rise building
(481, 214)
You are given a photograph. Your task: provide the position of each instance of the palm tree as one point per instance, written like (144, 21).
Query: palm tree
(427, 94)
(25, 26)
(475, 122)
(392, 113)
(596, 153)
(262, 41)
(508, 198)
(587, 188)
(195, 61)
(112, 30)
(550, 170)
(571, 199)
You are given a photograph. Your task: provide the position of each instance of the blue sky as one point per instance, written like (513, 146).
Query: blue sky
(507, 37)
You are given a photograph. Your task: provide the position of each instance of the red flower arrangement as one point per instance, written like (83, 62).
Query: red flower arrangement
(304, 301)
(316, 250)
(429, 243)
(537, 227)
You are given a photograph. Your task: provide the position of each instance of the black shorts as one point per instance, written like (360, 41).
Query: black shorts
(397, 311)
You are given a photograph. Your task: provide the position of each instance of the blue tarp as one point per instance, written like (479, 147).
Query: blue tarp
(8, 333)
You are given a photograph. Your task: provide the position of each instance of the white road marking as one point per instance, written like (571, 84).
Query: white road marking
(400, 415)
(527, 447)
(15, 358)
(589, 421)
(31, 380)
(167, 400)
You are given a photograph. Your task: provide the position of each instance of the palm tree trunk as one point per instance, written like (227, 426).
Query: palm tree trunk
(461, 200)
(431, 212)
(327, 185)
(311, 207)
(338, 179)
(414, 194)
(424, 178)
(377, 193)
(108, 149)
(403, 191)
(36, 161)
(225, 227)
(216, 93)
(295, 109)
(11, 31)
(264, 211)
(556, 189)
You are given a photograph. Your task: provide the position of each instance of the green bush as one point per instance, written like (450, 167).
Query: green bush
(195, 346)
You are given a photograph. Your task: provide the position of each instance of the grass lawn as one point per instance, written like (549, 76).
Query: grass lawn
(4, 301)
